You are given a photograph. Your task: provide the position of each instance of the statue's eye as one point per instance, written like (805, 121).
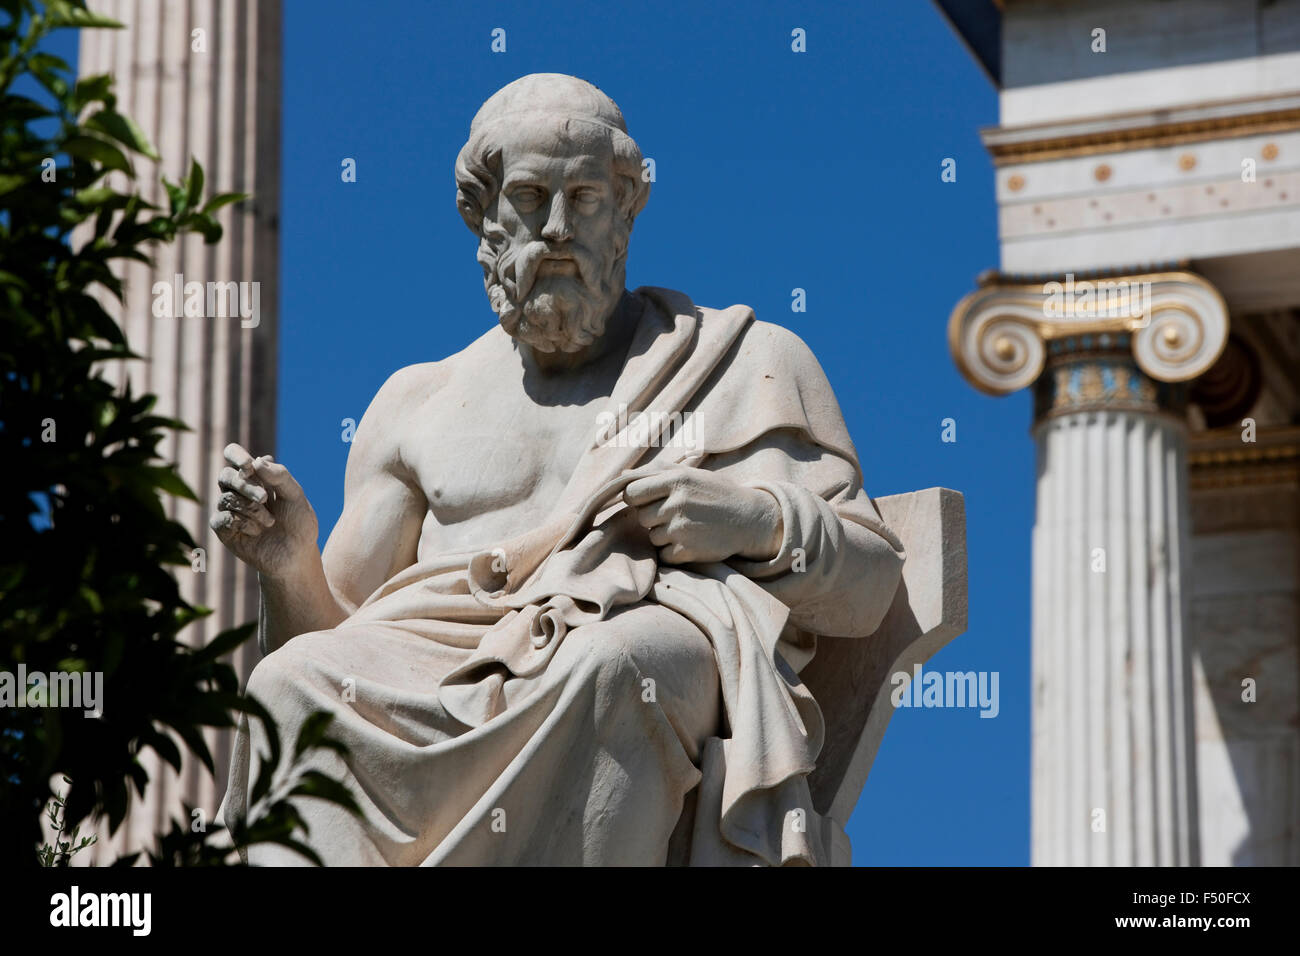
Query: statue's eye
(586, 196)
(526, 196)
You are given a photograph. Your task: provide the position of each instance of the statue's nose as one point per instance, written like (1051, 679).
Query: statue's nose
(559, 225)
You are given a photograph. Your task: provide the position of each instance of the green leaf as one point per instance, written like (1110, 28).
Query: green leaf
(205, 226)
(166, 748)
(94, 196)
(316, 784)
(48, 61)
(56, 84)
(97, 150)
(123, 129)
(91, 89)
(20, 109)
(303, 849)
(312, 732)
(8, 278)
(198, 746)
(166, 478)
(195, 183)
(177, 197)
(60, 13)
(98, 322)
(92, 600)
(225, 642)
(225, 199)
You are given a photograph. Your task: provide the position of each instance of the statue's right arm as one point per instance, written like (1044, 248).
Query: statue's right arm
(383, 504)
(266, 520)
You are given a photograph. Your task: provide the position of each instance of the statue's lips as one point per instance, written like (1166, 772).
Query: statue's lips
(558, 266)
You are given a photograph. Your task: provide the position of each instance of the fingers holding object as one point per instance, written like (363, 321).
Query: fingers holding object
(265, 470)
(241, 505)
(277, 477)
(236, 481)
(226, 523)
(239, 457)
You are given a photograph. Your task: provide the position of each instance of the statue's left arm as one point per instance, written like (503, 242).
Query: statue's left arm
(788, 513)
(776, 491)
(837, 565)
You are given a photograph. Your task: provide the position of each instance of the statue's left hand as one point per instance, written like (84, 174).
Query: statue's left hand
(694, 515)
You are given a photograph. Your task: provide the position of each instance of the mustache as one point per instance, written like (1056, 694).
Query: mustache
(517, 265)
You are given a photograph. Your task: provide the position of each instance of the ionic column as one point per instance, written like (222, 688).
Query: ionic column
(202, 79)
(1113, 779)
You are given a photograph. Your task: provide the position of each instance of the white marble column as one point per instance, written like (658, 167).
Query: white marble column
(202, 79)
(1113, 777)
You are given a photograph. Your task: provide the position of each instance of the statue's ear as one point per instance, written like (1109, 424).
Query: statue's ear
(478, 182)
(470, 213)
(632, 196)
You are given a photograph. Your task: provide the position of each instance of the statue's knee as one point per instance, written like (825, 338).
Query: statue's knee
(283, 669)
(648, 642)
(269, 678)
(609, 650)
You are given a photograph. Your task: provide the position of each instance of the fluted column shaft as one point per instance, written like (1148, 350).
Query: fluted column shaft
(1113, 774)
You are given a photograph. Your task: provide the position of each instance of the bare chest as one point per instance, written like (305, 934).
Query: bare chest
(492, 463)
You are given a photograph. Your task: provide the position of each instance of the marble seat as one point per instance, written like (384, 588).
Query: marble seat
(850, 677)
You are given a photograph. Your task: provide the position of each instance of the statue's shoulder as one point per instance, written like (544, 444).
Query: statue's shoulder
(779, 350)
(412, 382)
(408, 387)
(776, 338)
(415, 378)
(756, 337)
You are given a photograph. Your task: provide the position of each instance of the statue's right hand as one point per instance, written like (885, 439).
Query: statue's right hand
(263, 516)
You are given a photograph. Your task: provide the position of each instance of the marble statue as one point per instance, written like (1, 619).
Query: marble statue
(581, 563)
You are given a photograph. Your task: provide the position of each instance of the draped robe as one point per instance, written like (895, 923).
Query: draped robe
(563, 698)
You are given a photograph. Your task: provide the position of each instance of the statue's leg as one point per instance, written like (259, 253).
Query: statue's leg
(668, 655)
(377, 681)
(589, 764)
(601, 780)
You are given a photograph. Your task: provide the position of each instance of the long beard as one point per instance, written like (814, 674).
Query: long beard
(551, 312)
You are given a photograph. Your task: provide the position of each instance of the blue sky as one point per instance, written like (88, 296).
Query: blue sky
(774, 170)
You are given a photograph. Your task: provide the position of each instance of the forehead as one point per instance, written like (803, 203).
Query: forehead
(571, 154)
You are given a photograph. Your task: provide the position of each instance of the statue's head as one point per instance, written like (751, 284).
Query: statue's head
(551, 183)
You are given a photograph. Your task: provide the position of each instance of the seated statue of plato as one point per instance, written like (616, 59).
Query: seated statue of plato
(580, 563)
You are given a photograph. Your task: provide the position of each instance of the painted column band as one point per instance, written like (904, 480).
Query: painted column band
(1098, 372)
